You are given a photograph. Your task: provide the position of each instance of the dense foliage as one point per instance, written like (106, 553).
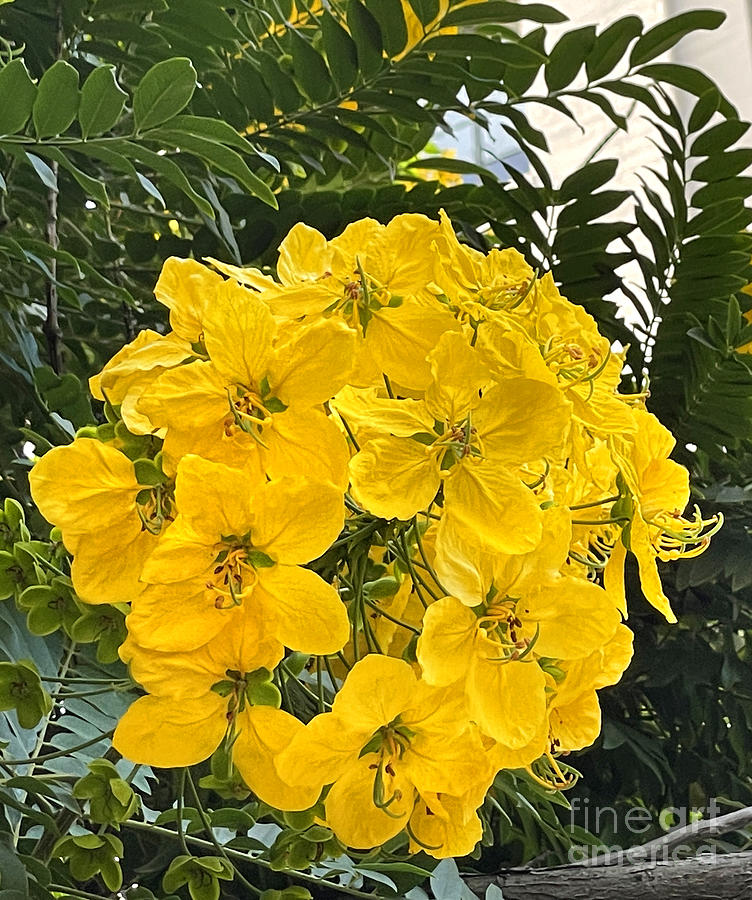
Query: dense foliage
(130, 137)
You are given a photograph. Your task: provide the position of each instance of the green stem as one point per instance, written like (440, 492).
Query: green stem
(217, 846)
(36, 760)
(242, 857)
(73, 892)
(386, 615)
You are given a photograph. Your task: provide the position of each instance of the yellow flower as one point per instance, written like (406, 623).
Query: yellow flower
(479, 284)
(235, 551)
(373, 277)
(133, 368)
(388, 735)
(197, 698)
(658, 493)
(503, 686)
(530, 612)
(471, 438)
(255, 398)
(109, 521)
(575, 715)
(443, 825)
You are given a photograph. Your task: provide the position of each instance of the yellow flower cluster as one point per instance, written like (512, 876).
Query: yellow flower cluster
(398, 475)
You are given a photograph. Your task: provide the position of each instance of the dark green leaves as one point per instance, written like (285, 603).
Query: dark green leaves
(163, 92)
(610, 46)
(341, 53)
(665, 35)
(589, 178)
(18, 92)
(568, 56)
(500, 11)
(367, 36)
(102, 101)
(391, 19)
(57, 100)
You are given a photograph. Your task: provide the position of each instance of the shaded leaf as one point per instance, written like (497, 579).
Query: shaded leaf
(163, 92)
(15, 83)
(102, 102)
(666, 34)
(57, 100)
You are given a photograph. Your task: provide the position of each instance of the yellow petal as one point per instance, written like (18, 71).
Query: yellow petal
(573, 617)
(109, 571)
(310, 367)
(650, 581)
(186, 288)
(159, 731)
(214, 499)
(491, 506)
(238, 332)
(305, 441)
(401, 338)
(447, 645)
(458, 374)
(86, 487)
(445, 826)
(310, 616)
(577, 724)
(369, 416)
(464, 568)
(319, 753)
(303, 255)
(243, 646)
(296, 519)
(377, 689)
(181, 554)
(447, 764)
(507, 700)
(264, 734)
(188, 397)
(177, 616)
(394, 477)
(131, 370)
(351, 813)
(521, 420)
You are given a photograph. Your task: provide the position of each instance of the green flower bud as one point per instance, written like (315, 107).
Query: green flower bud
(21, 689)
(111, 799)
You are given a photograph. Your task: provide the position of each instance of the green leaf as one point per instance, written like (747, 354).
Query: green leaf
(18, 91)
(723, 165)
(610, 46)
(102, 102)
(57, 100)
(366, 33)
(425, 10)
(500, 11)
(719, 137)
(666, 34)
(688, 79)
(703, 111)
(45, 173)
(390, 16)
(310, 69)
(586, 180)
(223, 158)
(92, 187)
(722, 190)
(165, 167)
(472, 46)
(218, 131)
(341, 53)
(447, 164)
(163, 92)
(585, 209)
(568, 56)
